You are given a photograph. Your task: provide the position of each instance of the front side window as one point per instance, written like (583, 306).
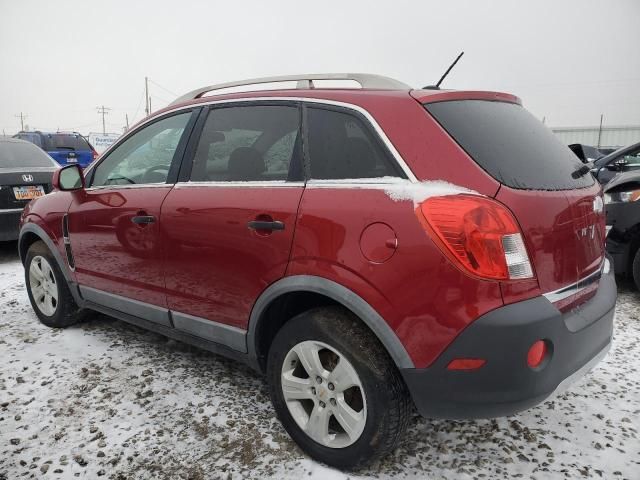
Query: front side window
(248, 143)
(342, 147)
(144, 157)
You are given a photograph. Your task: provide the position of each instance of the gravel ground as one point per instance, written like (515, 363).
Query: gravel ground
(105, 399)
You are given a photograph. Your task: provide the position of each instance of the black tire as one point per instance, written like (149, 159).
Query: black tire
(67, 311)
(388, 403)
(636, 269)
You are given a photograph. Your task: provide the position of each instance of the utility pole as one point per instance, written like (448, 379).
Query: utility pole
(126, 117)
(22, 118)
(147, 100)
(103, 111)
(600, 130)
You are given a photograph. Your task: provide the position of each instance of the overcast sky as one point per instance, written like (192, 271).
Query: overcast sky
(569, 61)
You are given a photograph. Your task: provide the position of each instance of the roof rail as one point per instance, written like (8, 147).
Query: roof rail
(305, 81)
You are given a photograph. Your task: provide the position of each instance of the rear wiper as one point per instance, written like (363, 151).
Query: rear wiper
(68, 148)
(582, 171)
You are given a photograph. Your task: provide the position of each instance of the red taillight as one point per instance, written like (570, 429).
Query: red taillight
(466, 364)
(479, 234)
(537, 353)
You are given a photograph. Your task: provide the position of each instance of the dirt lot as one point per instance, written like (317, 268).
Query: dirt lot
(105, 399)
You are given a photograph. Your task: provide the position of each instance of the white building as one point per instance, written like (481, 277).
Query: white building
(608, 137)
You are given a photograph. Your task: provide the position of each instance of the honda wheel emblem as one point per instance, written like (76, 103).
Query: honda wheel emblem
(27, 178)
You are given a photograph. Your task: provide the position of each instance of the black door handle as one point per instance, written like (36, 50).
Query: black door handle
(264, 225)
(143, 219)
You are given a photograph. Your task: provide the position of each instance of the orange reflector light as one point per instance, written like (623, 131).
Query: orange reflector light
(537, 353)
(466, 364)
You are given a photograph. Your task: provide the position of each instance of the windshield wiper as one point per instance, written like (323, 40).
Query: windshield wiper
(582, 171)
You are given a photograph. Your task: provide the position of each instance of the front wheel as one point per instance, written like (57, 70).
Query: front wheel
(47, 288)
(336, 390)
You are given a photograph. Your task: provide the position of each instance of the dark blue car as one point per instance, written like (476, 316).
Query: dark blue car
(64, 148)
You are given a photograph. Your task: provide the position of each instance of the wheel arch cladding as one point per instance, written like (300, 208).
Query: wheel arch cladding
(26, 240)
(31, 233)
(300, 293)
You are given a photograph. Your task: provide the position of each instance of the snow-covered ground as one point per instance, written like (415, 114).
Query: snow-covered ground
(105, 399)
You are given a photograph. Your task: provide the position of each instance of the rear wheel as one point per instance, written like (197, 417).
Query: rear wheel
(47, 288)
(335, 389)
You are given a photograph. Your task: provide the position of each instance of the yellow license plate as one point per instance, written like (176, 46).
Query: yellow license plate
(28, 192)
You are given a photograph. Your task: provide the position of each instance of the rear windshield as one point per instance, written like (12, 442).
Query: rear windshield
(510, 144)
(18, 154)
(58, 141)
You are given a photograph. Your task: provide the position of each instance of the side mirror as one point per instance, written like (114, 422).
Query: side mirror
(68, 178)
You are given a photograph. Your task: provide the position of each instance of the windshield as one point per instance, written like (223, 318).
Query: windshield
(18, 154)
(634, 151)
(510, 144)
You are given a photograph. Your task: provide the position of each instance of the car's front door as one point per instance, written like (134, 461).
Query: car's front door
(229, 226)
(114, 225)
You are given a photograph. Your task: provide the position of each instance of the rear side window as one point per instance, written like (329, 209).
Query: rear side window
(56, 141)
(342, 147)
(248, 143)
(30, 137)
(510, 144)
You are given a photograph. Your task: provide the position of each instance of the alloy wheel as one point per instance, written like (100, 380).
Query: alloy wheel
(324, 394)
(44, 288)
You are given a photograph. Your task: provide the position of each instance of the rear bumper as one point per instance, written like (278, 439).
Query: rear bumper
(10, 224)
(506, 384)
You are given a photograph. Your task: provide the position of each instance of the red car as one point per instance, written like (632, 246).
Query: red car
(368, 249)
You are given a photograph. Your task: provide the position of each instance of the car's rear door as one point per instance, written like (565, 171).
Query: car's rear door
(229, 224)
(114, 225)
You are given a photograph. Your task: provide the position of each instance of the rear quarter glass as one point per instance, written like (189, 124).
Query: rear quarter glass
(510, 144)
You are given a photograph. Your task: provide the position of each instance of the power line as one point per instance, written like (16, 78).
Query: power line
(161, 99)
(135, 115)
(104, 111)
(164, 88)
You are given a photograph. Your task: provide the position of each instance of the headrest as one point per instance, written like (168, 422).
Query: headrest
(357, 158)
(245, 164)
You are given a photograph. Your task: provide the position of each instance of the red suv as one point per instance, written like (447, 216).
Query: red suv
(368, 249)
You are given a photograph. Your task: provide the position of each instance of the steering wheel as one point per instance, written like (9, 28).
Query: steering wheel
(112, 180)
(155, 168)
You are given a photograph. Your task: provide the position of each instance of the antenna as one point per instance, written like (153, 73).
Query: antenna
(437, 85)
